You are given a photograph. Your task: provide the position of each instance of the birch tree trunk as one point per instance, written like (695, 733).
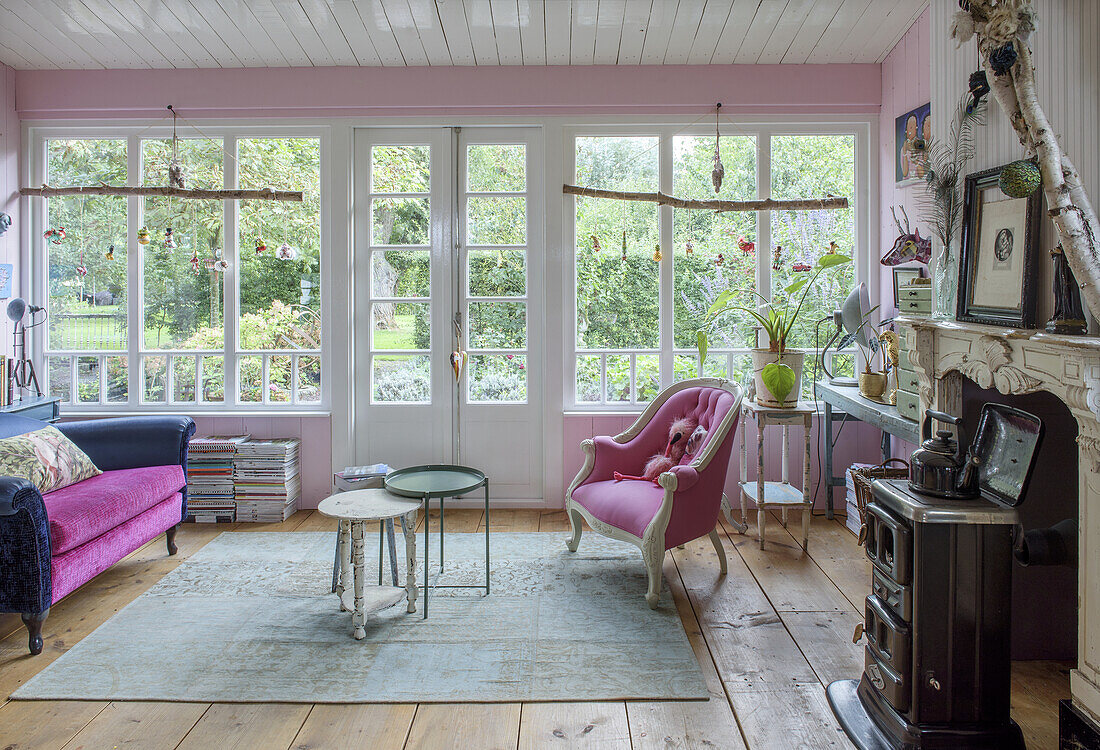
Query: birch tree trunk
(1068, 203)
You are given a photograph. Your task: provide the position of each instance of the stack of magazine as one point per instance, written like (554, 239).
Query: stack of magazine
(210, 492)
(267, 480)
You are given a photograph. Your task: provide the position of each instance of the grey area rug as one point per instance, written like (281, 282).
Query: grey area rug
(249, 618)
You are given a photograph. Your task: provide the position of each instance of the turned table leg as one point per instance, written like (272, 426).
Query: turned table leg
(343, 550)
(408, 527)
(358, 618)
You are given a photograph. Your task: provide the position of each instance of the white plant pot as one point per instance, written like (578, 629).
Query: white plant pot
(793, 358)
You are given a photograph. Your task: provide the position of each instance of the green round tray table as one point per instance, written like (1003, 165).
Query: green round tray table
(440, 481)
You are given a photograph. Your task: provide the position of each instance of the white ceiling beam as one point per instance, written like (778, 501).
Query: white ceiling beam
(756, 36)
(172, 46)
(786, 28)
(452, 16)
(836, 32)
(351, 25)
(662, 14)
(582, 32)
(38, 35)
(893, 29)
(632, 35)
(115, 23)
(609, 30)
(404, 30)
(78, 24)
(711, 24)
(14, 36)
(428, 26)
(190, 19)
(216, 17)
(163, 18)
(532, 32)
(381, 35)
(733, 33)
(479, 20)
(817, 20)
(506, 27)
(685, 27)
(558, 29)
(322, 17)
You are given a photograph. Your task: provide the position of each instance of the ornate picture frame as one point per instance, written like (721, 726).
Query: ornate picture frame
(999, 258)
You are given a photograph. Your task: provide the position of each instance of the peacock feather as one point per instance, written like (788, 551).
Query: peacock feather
(942, 203)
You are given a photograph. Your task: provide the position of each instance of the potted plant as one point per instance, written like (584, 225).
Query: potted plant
(777, 369)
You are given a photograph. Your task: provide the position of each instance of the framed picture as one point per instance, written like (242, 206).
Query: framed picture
(912, 131)
(902, 276)
(999, 261)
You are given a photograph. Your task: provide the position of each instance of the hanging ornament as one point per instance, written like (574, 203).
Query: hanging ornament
(719, 171)
(624, 244)
(261, 246)
(689, 247)
(657, 253)
(833, 248)
(745, 246)
(81, 269)
(595, 243)
(169, 240)
(143, 236)
(221, 265)
(110, 254)
(801, 266)
(979, 87)
(196, 264)
(777, 258)
(1020, 179)
(55, 235)
(286, 252)
(720, 260)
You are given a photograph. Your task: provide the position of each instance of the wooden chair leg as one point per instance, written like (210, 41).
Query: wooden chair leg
(716, 540)
(653, 567)
(34, 621)
(577, 524)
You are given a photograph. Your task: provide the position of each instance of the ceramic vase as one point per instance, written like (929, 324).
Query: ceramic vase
(945, 283)
(792, 358)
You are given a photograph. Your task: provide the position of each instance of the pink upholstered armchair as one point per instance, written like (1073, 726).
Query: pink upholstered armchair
(685, 504)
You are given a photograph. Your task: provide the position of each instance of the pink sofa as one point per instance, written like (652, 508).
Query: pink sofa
(52, 544)
(686, 502)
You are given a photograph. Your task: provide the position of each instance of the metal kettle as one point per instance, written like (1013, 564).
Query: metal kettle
(941, 466)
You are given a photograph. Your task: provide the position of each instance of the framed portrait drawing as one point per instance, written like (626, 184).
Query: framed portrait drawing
(912, 131)
(998, 264)
(904, 275)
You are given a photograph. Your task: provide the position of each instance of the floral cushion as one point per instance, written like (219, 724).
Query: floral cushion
(47, 458)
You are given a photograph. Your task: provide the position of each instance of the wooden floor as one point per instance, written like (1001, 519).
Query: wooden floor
(769, 636)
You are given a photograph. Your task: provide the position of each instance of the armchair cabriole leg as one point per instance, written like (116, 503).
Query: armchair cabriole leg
(653, 563)
(716, 540)
(577, 524)
(170, 537)
(34, 621)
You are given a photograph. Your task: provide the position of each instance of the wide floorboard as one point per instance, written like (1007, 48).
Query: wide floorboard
(768, 636)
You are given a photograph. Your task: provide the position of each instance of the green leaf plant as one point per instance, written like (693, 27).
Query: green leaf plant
(777, 320)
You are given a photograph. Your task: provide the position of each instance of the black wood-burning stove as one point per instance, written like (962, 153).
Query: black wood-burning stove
(937, 658)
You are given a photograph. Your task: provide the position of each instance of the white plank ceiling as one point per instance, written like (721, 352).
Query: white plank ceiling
(93, 34)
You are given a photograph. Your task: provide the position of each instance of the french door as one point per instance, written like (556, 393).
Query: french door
(447, 241)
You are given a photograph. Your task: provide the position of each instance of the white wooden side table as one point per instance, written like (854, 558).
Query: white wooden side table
(779, 494)
(354, 510)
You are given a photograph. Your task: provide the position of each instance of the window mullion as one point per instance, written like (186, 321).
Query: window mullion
(231, 278)
(665, 271)
(763, 220)
(135, 280)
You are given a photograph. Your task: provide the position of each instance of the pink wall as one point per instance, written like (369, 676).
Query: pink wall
(906, 84)
(334, 92)
(859, 442)
(9, 183)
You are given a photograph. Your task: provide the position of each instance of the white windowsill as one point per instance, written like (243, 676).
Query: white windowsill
(86, 413)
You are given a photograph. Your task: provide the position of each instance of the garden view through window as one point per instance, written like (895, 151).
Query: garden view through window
(628, 343)
(162, 331)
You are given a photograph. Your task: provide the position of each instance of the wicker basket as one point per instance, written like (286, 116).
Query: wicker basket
(862, 479)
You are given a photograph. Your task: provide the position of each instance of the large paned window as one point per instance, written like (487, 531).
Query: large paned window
(178, 302)
(637, 317)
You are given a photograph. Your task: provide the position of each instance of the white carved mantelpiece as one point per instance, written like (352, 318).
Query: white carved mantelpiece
(1024, 361)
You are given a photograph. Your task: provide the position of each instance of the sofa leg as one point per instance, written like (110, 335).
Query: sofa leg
(577, 523)
(653, 567)
(716, 540)
(34, 621)
(170, 537)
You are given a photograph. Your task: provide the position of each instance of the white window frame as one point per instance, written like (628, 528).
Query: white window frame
(135, 351)
(863, 258)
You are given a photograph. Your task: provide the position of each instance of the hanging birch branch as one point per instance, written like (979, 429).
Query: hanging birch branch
(262, 194)
(1003, 30)
(769, 204)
